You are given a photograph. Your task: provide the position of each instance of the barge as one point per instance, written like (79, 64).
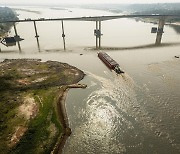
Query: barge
(110, 63)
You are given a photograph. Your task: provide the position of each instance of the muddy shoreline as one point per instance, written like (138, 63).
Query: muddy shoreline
(32, 95)
(63, 118)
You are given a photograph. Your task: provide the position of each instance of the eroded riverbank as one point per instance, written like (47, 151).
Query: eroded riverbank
(63, 117)
(30, 90)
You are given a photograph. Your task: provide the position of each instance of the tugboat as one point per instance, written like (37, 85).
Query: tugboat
(110, 63)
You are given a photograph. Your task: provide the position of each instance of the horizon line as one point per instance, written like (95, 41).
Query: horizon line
(11, 3)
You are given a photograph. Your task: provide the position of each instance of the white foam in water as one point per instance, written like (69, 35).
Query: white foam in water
(111, 108)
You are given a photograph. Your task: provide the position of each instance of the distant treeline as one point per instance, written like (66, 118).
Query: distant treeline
(154, 7)
(158, 8)
(5, 15)
(161, 9)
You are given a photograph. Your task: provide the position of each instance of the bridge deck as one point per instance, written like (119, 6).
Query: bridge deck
(94, 18)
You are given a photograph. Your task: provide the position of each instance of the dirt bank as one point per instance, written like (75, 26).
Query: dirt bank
(31, 120)
(62, 114)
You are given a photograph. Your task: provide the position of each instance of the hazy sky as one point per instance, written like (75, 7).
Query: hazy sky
(83, 1)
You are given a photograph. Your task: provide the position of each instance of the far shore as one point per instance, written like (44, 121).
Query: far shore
(175, 23)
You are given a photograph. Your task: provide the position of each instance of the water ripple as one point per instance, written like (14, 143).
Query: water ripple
(120, 119)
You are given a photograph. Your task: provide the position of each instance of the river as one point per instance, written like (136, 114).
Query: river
(138, 112)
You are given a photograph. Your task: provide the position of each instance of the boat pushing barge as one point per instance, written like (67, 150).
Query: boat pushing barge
(110, 63)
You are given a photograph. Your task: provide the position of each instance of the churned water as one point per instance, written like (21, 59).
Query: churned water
(120, 116)
(137, 112)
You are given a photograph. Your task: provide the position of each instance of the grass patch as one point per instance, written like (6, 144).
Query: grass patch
(37, 139)
(28, 104)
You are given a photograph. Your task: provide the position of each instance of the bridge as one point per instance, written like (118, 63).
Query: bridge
(97, 20)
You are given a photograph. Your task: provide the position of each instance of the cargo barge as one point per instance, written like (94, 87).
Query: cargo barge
(110, 63)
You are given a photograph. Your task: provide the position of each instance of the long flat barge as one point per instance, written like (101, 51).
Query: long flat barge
(109, 62)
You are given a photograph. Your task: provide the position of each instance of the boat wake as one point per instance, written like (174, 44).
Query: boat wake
(116, 120)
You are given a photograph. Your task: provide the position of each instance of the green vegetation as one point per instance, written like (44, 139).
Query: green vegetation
(44, 130)
(6, 14)
(155, 8)
(161, 9)
(29, 92)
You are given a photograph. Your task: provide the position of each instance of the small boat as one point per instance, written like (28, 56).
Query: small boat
(110, 63)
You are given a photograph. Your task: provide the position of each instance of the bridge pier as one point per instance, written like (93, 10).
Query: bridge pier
(37, 36)
(97, 33)
(16, 35)
(160, 31)
(0, 46)
(100, 35)
(63, 35)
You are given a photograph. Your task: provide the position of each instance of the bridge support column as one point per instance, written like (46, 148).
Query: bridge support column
(97, 33)
(37, 36)
(0, 46)
(16, 35)
(63, 35)
(160, 31)
(100, 35)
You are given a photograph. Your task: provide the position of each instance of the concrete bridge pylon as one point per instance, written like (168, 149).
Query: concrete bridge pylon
(160, 31)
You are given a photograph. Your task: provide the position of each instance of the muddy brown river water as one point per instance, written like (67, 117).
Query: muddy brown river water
(138, 112)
